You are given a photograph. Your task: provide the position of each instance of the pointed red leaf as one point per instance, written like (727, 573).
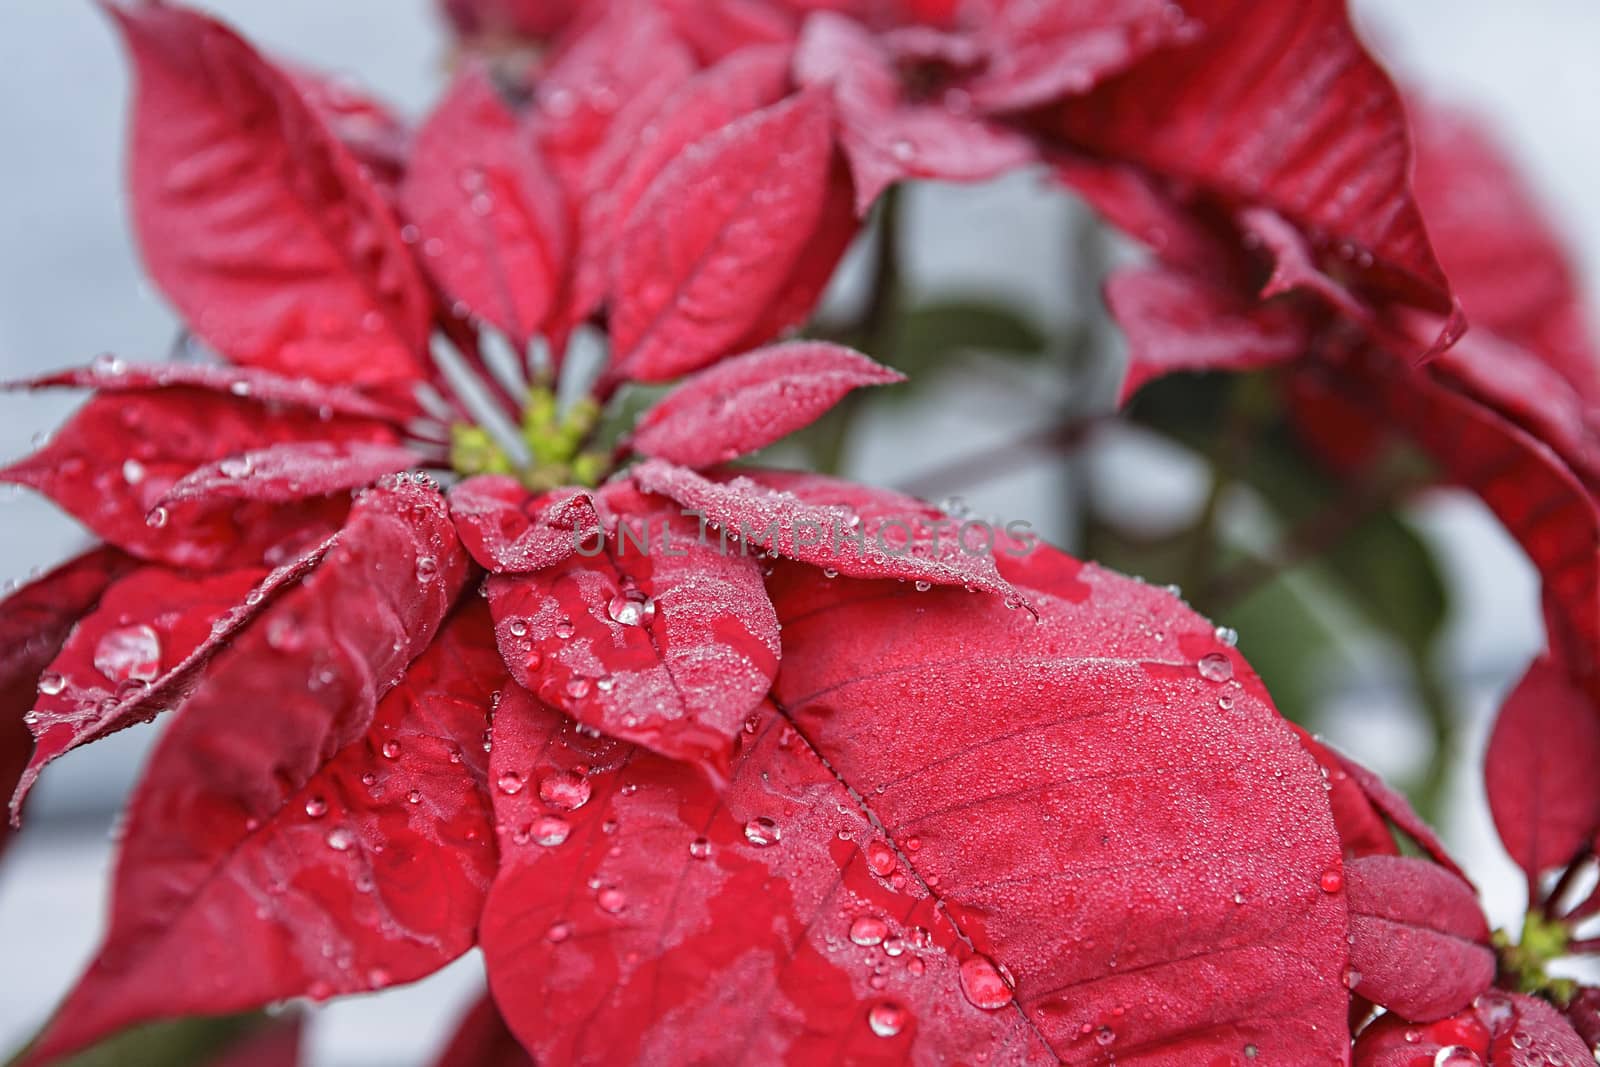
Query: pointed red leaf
(1039, 52)
(1278, 106)
(108, 374)
(1539, 770)
(116, 458)
(281, 474)
(746, 403)
(886, 137)
(1502, 254)
(716, 237)
(493, 225)
(1398, 810)
(1175, 322)
(507, 528)
(260, 862)
(142, 650)
(481, 1039)
(698, 108)
(850, 529)
(1361, 825)
(253, 217)
(1584, 1015)
(658, 636)
(999, 858)
(34, 622)
(1419, 943)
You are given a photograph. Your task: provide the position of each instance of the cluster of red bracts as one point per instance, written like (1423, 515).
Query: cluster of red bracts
(864, 798)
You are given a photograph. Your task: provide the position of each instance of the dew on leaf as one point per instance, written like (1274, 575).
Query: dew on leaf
(762, 832)
(1215, 667)
(886, 1018)
(510, 783)
(869, 930)
(129, 654)
(564, 790)
(339, 839)
(700, 848)
(1457, 1056)
(51, 683)
(551, 830)
(632, 608)
(982, 984)
(316, 807)
(1332, 881)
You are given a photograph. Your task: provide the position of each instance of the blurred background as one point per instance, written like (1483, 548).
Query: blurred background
(1438, 619)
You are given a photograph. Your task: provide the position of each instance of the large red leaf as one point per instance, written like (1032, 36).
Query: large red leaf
(716, 237)
(848, 529)
(1540, 770)
(261, 861)
(973, 837)
(746, 403)
(1175, 322)
(493, 226)
(1419, 943)
(481, 1039)
(886, 137)
(255, 219)
(116, 458)
(1501, 1030)
(1502, 254)
(656, 636)
(34, 622)
(1279, 106)
(107, 374)
(704, 104)
(281, 474)
(507, 528)
(1038, 52)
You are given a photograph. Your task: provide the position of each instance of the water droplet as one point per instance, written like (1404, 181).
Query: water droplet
(700, 848)
(1104, 1036)
(316, 807)
(632, 608)
(390, 750)
(51, 683)
(565, 629)
(886, 1019)
(880, 857)
(427, 567)
(129, 654)
(1352, 977)
(558, 931)
(340, 839)
(510, 783)
(1215, 667)
(518, 628)
(869, 930)
(565, 790)
(982, 985)
(132, 471)
(1227, 636)
(903, 150)
(578, 688)
(1456, 1056)
(1332, 881)
(611, 900)
(551, 830)
(157, 518)
(762, 832)
(414, 797)
(923, 587)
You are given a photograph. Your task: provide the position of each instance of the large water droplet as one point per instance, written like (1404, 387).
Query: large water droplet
(869, 930)
(762, 832)
(340, 839)
(1215, 667)
(1456, 1056)
(565, 790)
(551, 830)
(632, 608)
(1331, 881)
(390, 750)
(51, 683)
(886, 1019)
(700, 848)
(880, 857)
(982, 985)
(129, 654)
(611, 900)
(316, 807)
(510, 783)
(1227, 636)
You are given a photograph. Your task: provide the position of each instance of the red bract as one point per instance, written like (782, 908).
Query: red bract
(731, 764)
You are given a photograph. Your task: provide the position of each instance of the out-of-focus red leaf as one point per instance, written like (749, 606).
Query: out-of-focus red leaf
(1584, 1015)
(716, 29)
(117, 457)
(111, 375)
(1503, 256)
(34, 622)
(1501, 1030)
(971, 838)
(849, 529)
(1039, 52)
(1176, 322)
(481, 1039)
(1361, 825)
(493, 225)
(1278, 106)
(1540, 770)
(600, 89)
(746, 403)
(698, 108)
(657, 636)
(507, 528)
(887, 138)
(254, 219)
(1420, 944)
(1182, 231)
(276, 1044)
(280, 474)
(273, 848)
(369, 128)
(716, 238)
